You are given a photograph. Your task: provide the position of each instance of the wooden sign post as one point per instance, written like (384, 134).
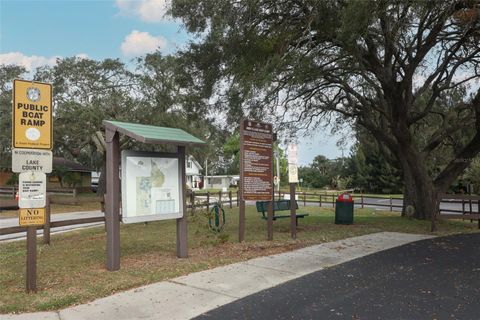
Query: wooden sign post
(293, 180)
(256, 169)
(31, 282)
(32, 140)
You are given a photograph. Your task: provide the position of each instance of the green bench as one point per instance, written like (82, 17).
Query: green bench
(278, 205)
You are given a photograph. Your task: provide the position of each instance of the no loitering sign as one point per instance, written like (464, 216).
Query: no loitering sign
(32, 115)
(31, 217)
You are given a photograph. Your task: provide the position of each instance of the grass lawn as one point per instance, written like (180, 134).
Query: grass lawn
(71, 270)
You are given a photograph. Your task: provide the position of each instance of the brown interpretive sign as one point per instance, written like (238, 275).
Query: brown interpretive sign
(256, 160)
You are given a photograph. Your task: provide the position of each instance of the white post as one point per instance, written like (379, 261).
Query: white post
(206, 174)
(278, 170)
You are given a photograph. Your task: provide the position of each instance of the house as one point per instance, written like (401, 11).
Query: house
(65, 174)
(221, 182)
(194, 177)
(69, 174)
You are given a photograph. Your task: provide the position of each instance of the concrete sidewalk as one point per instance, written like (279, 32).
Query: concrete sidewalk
(189, 296)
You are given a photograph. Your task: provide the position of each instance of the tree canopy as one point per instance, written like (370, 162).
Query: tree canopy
(388, 67)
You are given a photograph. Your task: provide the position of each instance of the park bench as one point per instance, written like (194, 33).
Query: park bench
(278, 205)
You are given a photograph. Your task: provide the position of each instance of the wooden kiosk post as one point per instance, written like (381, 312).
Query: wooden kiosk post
(112, 205)
(150, 135)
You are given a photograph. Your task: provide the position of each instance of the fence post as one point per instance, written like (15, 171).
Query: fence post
(238, 198)
(304, 199)
(391, 204)
(230, 198)
(333, 200)
(361, 197)
(320, 200)
(208, 201)
(75, 196)
(192, 201)
(46, 227)
(13, 192)
(463, 206)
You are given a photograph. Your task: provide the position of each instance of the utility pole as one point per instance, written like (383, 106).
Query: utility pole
(206, 174)
(277, 159)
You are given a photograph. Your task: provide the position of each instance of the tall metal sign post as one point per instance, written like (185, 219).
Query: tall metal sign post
(32, 140)
(293, 180)
(256, 169)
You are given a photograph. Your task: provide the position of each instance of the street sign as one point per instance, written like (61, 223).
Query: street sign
(25, 160)
(31, 217)
(292, 153)
(292, 163)
(32, 115)
(256, 160)
(32, 190)
(292, 173)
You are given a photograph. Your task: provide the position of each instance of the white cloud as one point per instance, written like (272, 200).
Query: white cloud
(138, 43)
(29, 62)
(147, 10)
(82, 56)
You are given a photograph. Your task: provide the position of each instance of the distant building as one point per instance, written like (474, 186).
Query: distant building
(221, 182)
(66, 174)
(194, 177)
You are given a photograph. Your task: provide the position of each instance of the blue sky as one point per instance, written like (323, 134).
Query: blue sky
(34, 33)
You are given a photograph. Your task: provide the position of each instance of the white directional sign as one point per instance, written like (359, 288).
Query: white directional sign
(27, 160)
(292, 173)
(292, 153)
(292, 163)
(32, 190)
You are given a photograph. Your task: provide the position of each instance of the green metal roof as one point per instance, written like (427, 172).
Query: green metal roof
(152, 134)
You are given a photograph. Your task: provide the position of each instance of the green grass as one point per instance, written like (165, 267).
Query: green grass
(72, 269)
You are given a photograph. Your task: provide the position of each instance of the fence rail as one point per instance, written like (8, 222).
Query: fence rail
(197, 200)
(12, 191)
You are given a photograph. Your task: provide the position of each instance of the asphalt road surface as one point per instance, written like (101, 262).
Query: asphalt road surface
(431, 279)
(384, 204)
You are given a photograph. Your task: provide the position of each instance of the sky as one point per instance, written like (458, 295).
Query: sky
(35, 33)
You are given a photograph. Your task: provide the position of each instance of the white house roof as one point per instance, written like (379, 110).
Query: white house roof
(191, 158)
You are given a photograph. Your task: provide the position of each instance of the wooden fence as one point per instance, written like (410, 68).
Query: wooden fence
(196, 200)
(11, 191)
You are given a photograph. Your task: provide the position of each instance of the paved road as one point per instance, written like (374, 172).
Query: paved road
(13, 222)
(384, 204)
(430, 279)
(191, 295)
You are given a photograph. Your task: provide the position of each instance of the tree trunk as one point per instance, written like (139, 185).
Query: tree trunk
(408, 193)
(102, 182)
(420, 191)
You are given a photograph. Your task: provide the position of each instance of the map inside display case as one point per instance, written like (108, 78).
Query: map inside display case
(150, 187)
